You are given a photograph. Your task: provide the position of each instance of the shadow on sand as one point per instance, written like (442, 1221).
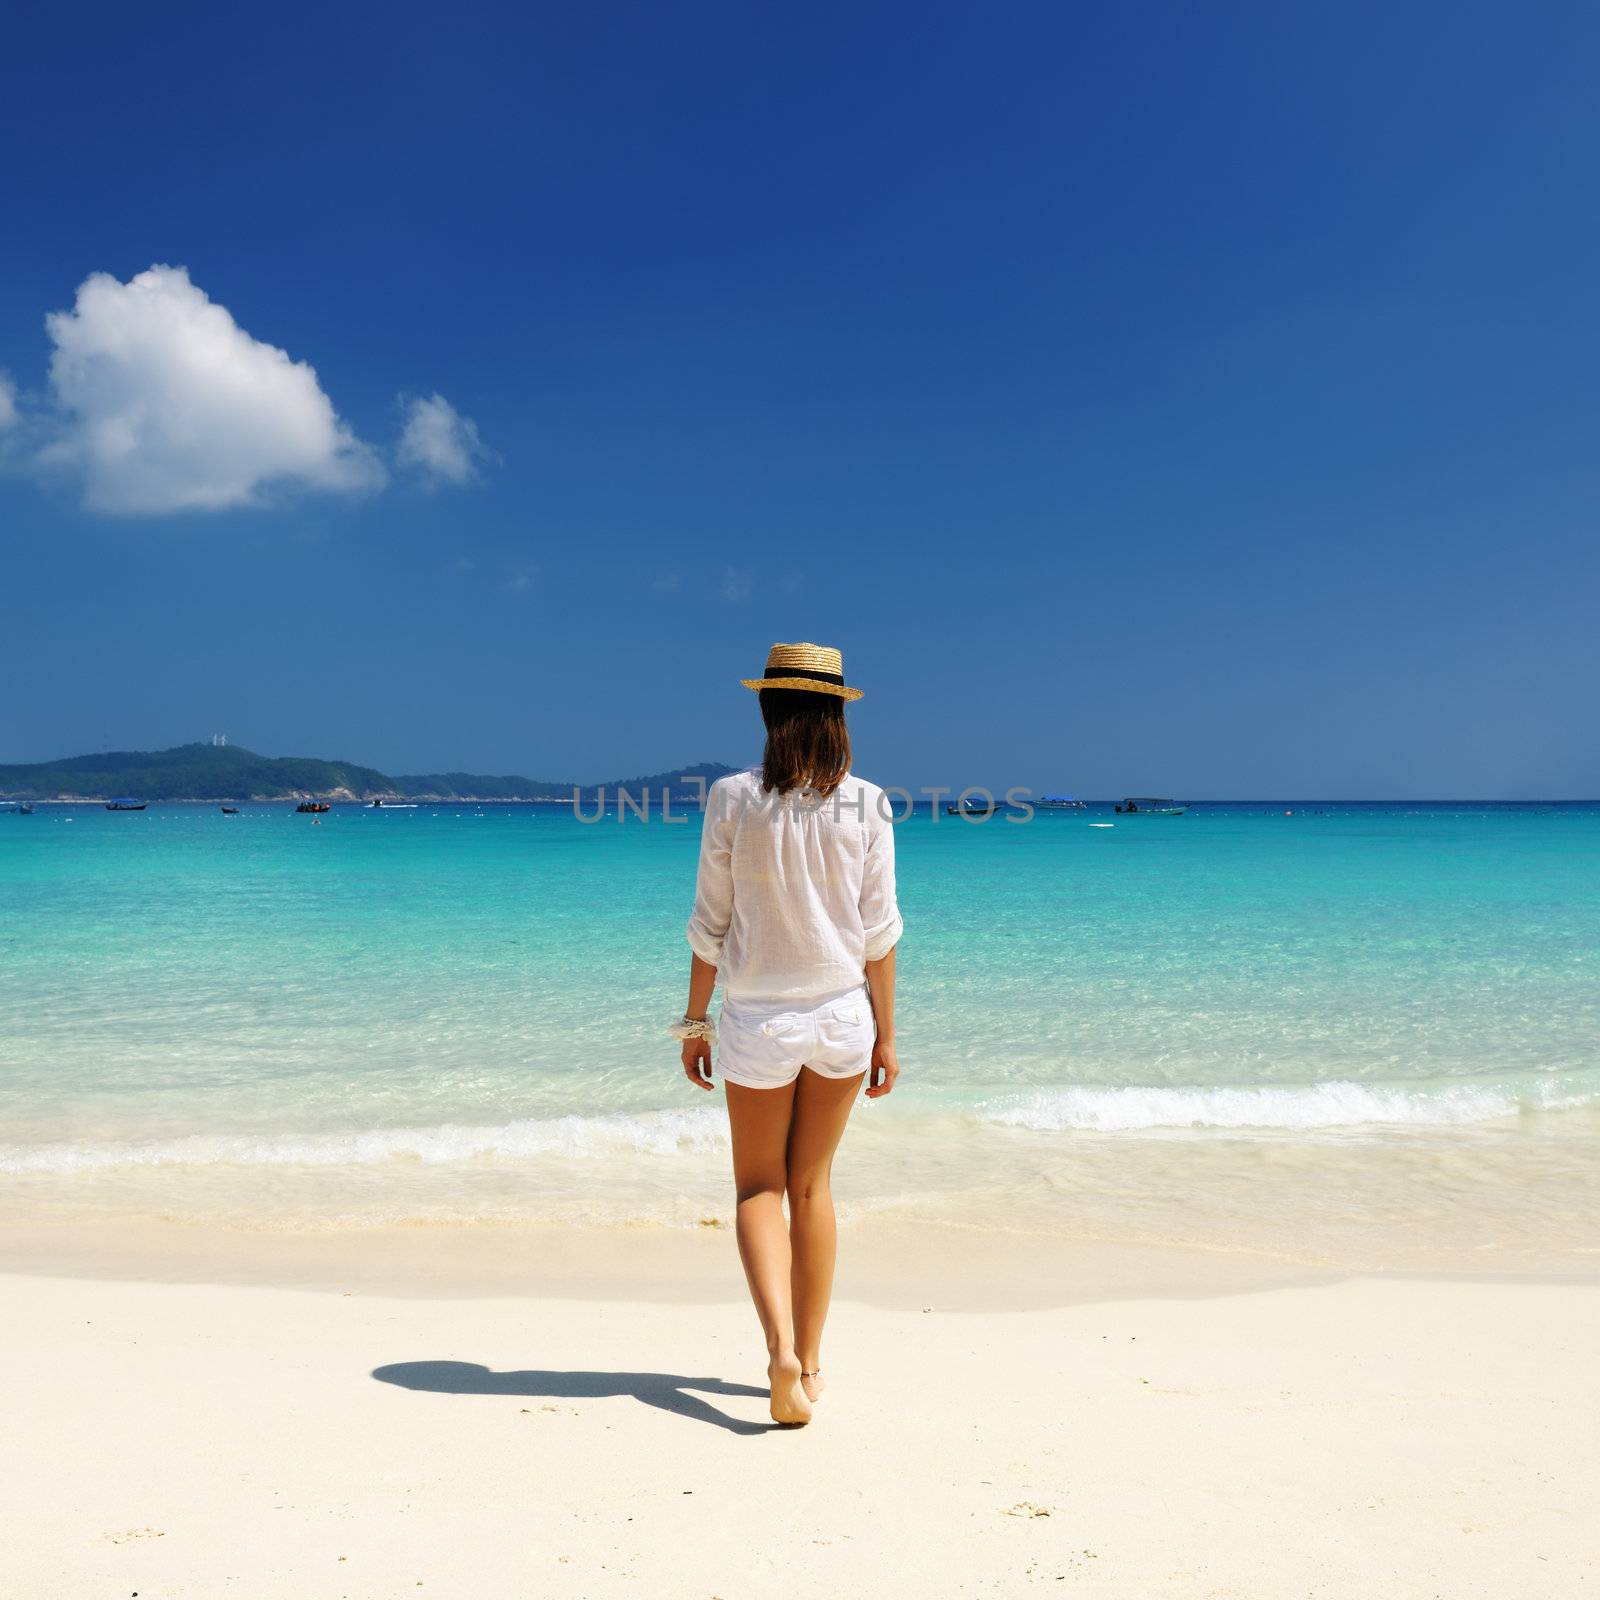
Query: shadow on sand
(662, 1390)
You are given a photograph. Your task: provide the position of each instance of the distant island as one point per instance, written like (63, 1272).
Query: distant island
(229, 772)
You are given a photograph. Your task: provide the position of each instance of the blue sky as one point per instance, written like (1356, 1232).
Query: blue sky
(1168, 398)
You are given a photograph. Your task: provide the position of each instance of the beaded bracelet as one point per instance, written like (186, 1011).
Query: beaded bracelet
(694, 1028)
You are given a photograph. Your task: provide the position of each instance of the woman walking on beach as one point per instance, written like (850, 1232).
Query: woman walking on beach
(795, 912)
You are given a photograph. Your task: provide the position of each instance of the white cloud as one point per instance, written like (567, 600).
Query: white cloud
(8, 402)
(736, 585)
(166, 404)
(439, 442)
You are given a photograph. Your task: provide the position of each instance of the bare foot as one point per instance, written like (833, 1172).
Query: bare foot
(789, 1403)
(813, 1385)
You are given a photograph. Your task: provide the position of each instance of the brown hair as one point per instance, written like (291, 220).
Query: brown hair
(808, 745)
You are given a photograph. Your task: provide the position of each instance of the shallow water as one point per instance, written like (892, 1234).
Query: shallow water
(1145, 1030)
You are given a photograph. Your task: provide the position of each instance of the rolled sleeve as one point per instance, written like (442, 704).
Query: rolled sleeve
(881, 924)
(713, 891)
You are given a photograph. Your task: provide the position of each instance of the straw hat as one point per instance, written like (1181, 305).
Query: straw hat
(804, 666)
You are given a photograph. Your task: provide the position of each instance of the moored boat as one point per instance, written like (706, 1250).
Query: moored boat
(1059, 802)
(230, 811)
(126, 805)
(1150, 806)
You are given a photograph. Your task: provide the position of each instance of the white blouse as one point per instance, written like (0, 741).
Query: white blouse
(795, 893)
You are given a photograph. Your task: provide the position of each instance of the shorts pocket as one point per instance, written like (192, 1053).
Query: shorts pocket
(846, 1025)
(765, 1039)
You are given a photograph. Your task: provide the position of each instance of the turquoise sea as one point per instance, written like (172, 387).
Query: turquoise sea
(1351, 1030)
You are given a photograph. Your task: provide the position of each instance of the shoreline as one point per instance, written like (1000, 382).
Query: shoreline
(895, 1265)
(1011, 1216)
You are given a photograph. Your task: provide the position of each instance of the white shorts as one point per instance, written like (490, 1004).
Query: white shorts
(765, 1046)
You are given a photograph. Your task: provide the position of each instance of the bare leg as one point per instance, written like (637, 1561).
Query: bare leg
(759, 1122)
(821, 1109)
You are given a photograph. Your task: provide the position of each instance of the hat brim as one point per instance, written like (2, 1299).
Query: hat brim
(843, 691)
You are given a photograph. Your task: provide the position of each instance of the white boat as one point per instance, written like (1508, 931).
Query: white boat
(1150, 806)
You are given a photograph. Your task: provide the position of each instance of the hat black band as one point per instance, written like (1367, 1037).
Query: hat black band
(799, 672)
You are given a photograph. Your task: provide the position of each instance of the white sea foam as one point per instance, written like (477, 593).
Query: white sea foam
(660, 1134)
(1318, 1105)
(702, 1132)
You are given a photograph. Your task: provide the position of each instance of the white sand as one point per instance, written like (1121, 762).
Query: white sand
(1375, 1439)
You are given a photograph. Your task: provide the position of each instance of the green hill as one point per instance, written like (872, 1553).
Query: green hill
(686, 783)
(230, 772)
(190, 772)
(476, 786)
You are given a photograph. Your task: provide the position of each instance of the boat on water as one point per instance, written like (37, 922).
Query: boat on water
(230, 811)
(971, 807)
(25, 809)
(126, 805)
(394, 805)
(310, 807)
(1060, 802)
(1150, 806)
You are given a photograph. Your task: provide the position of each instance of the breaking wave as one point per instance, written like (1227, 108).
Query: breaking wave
(656, 1134)
(1319, 1105)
